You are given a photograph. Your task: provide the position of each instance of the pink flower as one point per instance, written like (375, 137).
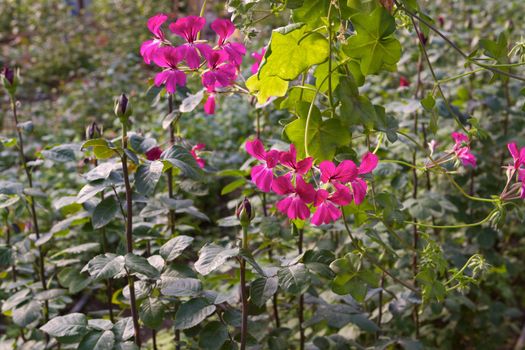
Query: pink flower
(258, 59)
(289, 160)
(521, 178)
(209, 105)
(224, 29)
(188, 28)
(326, 204)
(518, 155)
(462, 149)
(343, 173)
(403, 82)
(149, 47)
(262, 175)
(294, 205)
(194, 149)
(169, 57)
(153, 153)
(219, 72)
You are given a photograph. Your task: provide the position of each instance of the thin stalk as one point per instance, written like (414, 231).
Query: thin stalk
(34, 217)
(300, 311)
(244, 296)
(153, 331)
(486, 219)
(129, 234)
(8, 242)
(330, 98)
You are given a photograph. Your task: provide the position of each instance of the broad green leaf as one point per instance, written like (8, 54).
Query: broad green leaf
(213, 335)
(97, 341)
(139, 264)
(212, 256)
(265, 87)
(123, 329)
(193, 312)
(61, 154)
(232, 186)
(180, 287)
(27, 313)
(70, 325)
(89, 191)
(105, 266)
(147, 176)
(294, 279)
(263, 289)
(5, 256)
(173, 248)
(179, 157)
(373, 43)
(140, 143)
(355, 109)
(73, 279)
(104, 212)
(151, 312)
(324, 136)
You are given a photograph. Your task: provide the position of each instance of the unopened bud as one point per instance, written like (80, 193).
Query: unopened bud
(9, 80)
(93, 131)
(245, 212)
(123, 108)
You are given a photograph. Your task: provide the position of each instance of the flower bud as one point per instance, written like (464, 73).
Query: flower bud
(9, 80)
(93, 131)
(245, 212)
(123, 108)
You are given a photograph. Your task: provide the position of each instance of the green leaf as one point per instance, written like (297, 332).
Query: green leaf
(139, 264)
(181, 287)
(89, 191)
(151, 312)
(355, 109)
(61, 154)
(5, 256)
(324, 136)
(105, 266)
(263, 289)
(123, 329)
(373, 42)
(265, 87)
(97, 341)
(212, 256)
(182, 159)
(73, 279)
(147, 177)
(27, 313)
(191, 102)
(232, 186)
(212, 336)
(104, 212)
(173, 248)
(193, 312)
(294, 279)
(70, 325)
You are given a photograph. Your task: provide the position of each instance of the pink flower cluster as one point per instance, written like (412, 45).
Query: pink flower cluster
(462, 149)
(155, 152)
(282, 173)
(515, 171)
(218, 66)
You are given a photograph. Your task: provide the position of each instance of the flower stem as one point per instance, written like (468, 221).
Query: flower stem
(244, 296)
(34, 217)
(129, 234)
(300, 310)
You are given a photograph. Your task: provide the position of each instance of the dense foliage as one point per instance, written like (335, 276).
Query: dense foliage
(268, 174)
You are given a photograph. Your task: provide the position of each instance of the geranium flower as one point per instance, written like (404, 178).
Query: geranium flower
(518, 155)
(289, 160)
(224, 29)
(326, 204)
(219, 72)
(262, 175)
(149, 47)
(294, 205)
(462, 149)
(169, 57)
(257, 56)
(188, 28)
(153, 153)
(194, 149)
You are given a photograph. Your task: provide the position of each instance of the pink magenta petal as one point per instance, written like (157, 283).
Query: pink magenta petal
(342, 195)
(284, 204)
(255, 148)
(154, 24)
(236, 52)
(262, 177)
(304, 190)
(282, 185)
(327, 170)
(188, 27)
(148, 50)
(459, 137)
(320, 197)
(224, 29)
(359, 188)
(368, 163)
(513, 149)
(272, 158)
(304, 166)
(209, 105)
(298, 209)
(345, 171)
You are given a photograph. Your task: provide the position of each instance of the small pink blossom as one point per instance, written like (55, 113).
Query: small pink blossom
(462, 149)
(149, 47)
(342, 173)
(326, 204)
(224, 29)
(518, 155)
(188, 28)
(219, 72)
(262, 174)
(209, 105)
(289, 160)
(194, 149)
(153, 153)
(257, 56)
(169, 57)
(294, 205)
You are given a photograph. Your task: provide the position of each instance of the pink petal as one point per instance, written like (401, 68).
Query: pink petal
(459, 137)
(342, 195)
(298, 209)
(345, 171)
(513, 149)
(284, 204)
(235, 51)
(304, 166)
(282, 185)
(224, 29)
(255, 148)
(154, 24)
(304, 190)
(209, 105)
(262, 177)
(191, 55)
(148, 50)
(359, 188)
(368, 163)
(188, 27)
(272, 158)
(320, 197)
(327, 170)
(168, 56)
